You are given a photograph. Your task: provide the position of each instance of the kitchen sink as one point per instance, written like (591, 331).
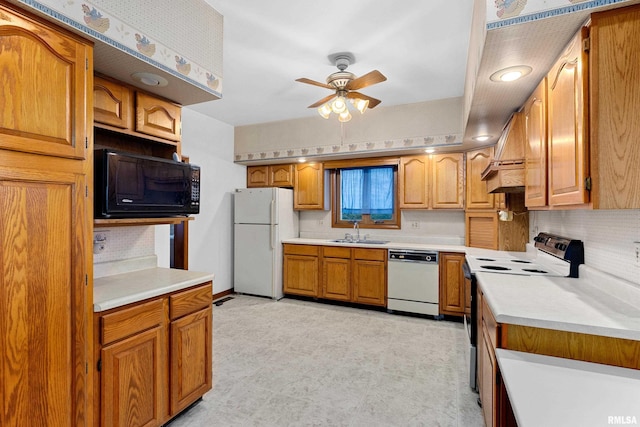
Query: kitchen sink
(369, 242)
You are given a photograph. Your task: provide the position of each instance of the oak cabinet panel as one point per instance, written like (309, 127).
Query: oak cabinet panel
(157, 117)
(270, 176)
(309, 187)
(301, 270)
(568, 144)
(477, 195)
(336, 278)
(535, 110)
(112, 103)
(134, 380)
(369, 282)
(431, 181)
(45, 86)
(452, 286)
(448, 181)
(481, 229)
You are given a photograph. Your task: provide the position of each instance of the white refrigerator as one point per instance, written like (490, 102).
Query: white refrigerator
(263, 217)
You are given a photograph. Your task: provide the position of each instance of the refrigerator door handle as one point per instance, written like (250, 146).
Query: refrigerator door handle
(273, 223)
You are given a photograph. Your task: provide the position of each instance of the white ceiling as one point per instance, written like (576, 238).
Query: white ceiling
(420, 46)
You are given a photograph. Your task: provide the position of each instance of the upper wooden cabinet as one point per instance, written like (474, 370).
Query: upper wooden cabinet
(568, 130)
(477, 195)
(112, 103)
(536, 147)
(309, 187)
(270, 176)
(431, 181)
(124, 109)
(46, 75)
(614, 104)
(157, 117)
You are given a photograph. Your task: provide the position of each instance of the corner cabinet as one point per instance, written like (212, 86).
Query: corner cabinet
(431, 181)
(46, 159)
(154, 358)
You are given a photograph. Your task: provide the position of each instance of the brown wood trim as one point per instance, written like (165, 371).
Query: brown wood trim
(572, 345)
(139, 221)
(222, 294)
(363, 162)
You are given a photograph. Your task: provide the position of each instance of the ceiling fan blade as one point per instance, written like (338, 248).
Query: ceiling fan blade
(315, 83)
(322, 101)
(368, 79)
(372, 101)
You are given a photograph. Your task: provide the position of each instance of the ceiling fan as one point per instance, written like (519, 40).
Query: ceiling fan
(345, 85)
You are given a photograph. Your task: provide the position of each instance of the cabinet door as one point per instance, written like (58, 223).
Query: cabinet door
(568, 148)
(46, 82)
(536, 147)
(281, 175)
(447, 181)
(414, 182)
(452, 296)
(45, 228)
(369, 282)
(301, 275)
(336, 278)
(487, 373)
(157, 117)
(477, 195)
(190, 358)
(111, 103)
(257, 176)
(308, 191)
(481, 230)
(134, 380)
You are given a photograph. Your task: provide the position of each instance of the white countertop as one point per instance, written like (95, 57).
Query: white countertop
(595, 303)
(126, 288)
(552, 391)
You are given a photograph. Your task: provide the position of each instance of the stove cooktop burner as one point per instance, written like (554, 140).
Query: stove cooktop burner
(521, 261)
(535, 270)
(495, 267)
(485, 259)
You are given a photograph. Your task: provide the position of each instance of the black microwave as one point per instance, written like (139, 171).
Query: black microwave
(131, 185)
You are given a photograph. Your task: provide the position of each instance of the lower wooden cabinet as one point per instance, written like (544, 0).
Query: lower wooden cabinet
(301, 270)
(154, 358)
(346, 274)
(452, 287)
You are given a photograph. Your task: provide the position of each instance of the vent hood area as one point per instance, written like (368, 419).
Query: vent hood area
(505, 173)
(177, 46)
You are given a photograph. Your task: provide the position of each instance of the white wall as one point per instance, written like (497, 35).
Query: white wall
(608, 236)
(209, 144)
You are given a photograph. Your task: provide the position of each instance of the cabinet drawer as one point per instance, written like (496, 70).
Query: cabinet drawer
(370, 254)
(336, 252)
(129, 321)
(301, 250)
(189, 301)
(490, 324)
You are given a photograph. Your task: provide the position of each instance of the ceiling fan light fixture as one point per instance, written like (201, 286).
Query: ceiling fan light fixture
(360, 104)
(339, 105)
(345, 116)
(324, 110)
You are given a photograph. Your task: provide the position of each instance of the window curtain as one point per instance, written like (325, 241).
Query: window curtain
(366, 191)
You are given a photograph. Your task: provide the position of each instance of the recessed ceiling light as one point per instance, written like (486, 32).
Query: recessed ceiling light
(429, 151)
(481, 138)
(150, 79)
(302, 160)
(510, 74)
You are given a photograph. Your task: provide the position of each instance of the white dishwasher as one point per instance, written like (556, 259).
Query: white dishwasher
(412, 281)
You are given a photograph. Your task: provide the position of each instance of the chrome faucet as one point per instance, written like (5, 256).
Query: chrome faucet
(357, 230)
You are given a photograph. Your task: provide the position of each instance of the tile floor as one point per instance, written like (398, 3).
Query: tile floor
(303, 363)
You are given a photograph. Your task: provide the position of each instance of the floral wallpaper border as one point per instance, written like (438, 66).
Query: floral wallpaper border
(503, 13)
(100, 25)
(353, 148)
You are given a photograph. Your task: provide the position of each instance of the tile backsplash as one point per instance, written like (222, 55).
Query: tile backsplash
(125, 242)
(608, 236)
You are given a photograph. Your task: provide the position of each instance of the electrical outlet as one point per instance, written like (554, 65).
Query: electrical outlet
(415, 225)
(320, 222)
(636, 245)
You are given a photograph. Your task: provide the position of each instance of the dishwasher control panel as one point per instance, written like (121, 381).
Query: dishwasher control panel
(427, 257)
